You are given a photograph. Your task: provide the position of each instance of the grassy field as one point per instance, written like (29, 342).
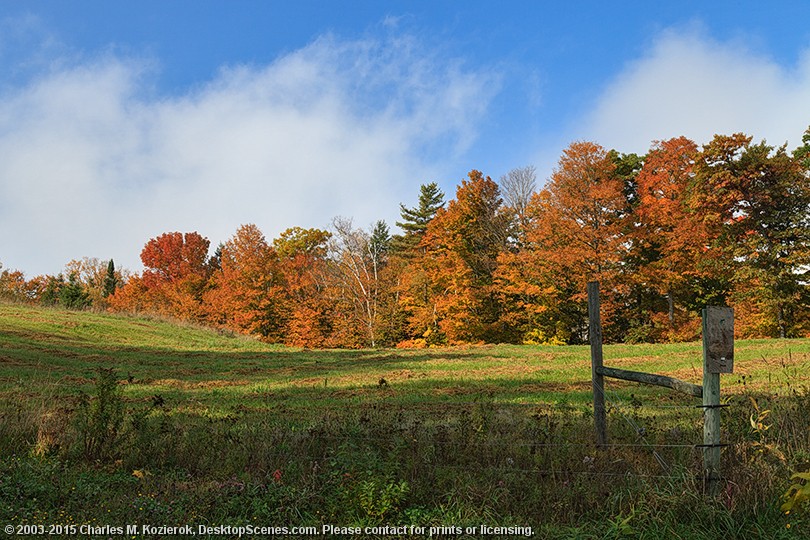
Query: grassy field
(108, 421)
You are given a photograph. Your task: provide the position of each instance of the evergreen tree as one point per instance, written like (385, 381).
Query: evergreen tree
(380, 241)
(110, 280)
(72, 294)
(415, 220)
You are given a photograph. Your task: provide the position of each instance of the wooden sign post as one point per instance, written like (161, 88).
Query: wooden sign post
(718, 357)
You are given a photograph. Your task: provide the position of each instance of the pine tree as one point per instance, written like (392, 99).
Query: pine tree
(53, 287)
(72, 295)
(415, 220)
(110, 280)
(380, 241)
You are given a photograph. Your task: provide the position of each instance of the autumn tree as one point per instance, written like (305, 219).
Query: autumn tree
(535, 291)
(518, 186)
(667, 239)
(302, 258)
(358, 258)
(245, 293)
(96, 277)
(755, 198)
(175, 256)
(172, 283)
(462, 244)
(578, 221)
(51, 289)
(13, 286)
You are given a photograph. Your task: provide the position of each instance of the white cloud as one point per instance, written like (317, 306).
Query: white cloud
(689, 84)
(94, 163)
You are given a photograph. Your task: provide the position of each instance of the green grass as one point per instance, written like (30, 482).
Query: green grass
(223, 429)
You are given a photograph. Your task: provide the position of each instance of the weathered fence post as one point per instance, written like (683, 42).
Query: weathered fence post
(598, 380)
(718, 357)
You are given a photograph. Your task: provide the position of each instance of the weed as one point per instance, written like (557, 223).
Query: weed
(380, 498)
(797, 497)
(99, 419)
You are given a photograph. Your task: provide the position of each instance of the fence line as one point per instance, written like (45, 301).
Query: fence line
(520, 445)
(563, 472)
(540, 405)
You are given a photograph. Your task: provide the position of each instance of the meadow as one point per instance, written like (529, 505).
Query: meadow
(112, 420)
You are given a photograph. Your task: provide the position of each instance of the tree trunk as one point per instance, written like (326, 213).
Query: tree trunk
(780, 319)
(671, 306)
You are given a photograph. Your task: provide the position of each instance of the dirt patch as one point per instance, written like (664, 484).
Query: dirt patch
(77, 380)
(553, 387)
(10, 361)
(693, 375)
(405, 374)
(457, 390)
(196, 385)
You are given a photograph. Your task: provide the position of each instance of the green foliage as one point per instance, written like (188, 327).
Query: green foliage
(380, 498)
(231, 430)
(379, 242)
(51, 293)
(110, 280)
(797, 496)
(72, 295)
(620, 527)
(415, 220)
(298, 241)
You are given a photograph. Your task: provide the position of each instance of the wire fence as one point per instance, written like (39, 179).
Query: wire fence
(493, 438)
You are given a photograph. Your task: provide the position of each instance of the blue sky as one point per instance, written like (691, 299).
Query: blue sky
(123, 120)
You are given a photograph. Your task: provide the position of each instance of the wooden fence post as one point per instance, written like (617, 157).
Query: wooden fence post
(718, 357)
(598, 380)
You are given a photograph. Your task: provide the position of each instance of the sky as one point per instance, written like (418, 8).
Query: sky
(120, 121)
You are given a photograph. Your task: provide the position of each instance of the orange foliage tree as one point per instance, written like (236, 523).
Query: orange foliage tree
(14, 287)
(244, 294)
(575, 235)
(664, 235)
(668, 238)
(461, 248)
(302, 259)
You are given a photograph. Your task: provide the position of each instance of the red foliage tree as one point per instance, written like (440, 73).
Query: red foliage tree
(174, 278)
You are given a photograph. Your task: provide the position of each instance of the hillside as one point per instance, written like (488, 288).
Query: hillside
(109, 419)
(52, 351)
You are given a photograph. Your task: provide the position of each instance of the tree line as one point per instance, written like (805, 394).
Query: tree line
(666, 234)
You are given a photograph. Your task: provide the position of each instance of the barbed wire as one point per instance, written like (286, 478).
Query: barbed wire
(640, 432)
(434, 441)
(564, 472)
(477, 468)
